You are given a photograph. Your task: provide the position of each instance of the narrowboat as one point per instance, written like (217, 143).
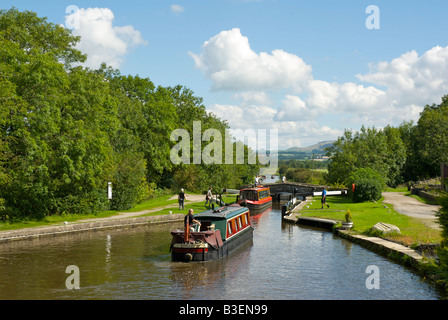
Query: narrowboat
(222, 230)
(256, 199)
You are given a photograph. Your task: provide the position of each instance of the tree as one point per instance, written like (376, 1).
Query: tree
(412, 166)
(54, 125)
(431, 139)
(35, 36)
(149, 114)
(381, 150)
(66, 131)
(343, 159)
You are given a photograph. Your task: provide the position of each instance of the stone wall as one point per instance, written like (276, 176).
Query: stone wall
(422, 193)
(31, 233)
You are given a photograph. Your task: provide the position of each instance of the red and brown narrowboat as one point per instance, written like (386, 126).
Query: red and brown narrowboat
(257, 199)
(222, 230)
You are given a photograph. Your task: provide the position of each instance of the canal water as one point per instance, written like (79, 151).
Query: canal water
(283, 261)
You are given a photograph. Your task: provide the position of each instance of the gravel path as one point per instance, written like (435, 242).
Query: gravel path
(123, 215)
(412, 207)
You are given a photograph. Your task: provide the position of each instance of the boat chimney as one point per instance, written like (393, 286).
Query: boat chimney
(187, 230)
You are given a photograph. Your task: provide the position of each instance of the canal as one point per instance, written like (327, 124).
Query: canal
(283, 261)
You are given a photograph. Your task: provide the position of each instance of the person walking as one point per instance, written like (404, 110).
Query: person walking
(181, 199)
(324, 199)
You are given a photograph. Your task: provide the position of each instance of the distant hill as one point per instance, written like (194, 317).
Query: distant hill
(316, 148)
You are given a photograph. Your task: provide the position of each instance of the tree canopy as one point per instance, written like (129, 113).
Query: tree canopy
(66, 131)
(409, 152)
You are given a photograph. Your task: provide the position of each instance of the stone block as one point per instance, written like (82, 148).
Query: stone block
(385, 227)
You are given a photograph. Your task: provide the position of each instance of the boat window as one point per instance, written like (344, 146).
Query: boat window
(205, 225)
(249, 195)
(263, 194)
(229, 227)
(240, 225)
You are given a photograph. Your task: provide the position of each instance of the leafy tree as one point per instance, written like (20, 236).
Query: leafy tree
(343, 159)
(149, 113)
(412, 166)
(35, 36)
(66, 131)
(381, 150)
(431, 139)
(53, 120)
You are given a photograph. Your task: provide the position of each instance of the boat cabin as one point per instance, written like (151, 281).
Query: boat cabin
(228, 220)
(255, 194)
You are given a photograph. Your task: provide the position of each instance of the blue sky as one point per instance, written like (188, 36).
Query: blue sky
(309, 69)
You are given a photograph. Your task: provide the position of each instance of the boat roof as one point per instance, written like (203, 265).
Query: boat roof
(255, 188)
(225, 212)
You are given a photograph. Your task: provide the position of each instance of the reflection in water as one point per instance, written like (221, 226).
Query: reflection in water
(284, 261)
(108, 253)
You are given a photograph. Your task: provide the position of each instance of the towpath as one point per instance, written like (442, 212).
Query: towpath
(126, 215)
(412, 207)
(123, 219)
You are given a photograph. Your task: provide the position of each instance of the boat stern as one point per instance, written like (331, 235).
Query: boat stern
(187, 252)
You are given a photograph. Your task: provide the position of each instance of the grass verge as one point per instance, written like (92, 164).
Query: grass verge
(367, 214)
(158, 202)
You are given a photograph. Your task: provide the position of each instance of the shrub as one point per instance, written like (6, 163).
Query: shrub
(348, 216)
(442, 251)
(442, 216)
(368, 185)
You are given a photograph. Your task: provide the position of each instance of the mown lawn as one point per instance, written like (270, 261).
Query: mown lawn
(367, 214)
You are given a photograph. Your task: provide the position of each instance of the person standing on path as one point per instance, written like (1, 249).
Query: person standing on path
(208, 197)
(324, 199)
(181, 199)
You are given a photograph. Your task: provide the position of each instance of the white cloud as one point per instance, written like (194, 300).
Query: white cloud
(291, 133)
(228, 60)
(101, 40)
(392, 92)
(322, 94)
(258, 97)
(411, 79)
(177, 8)
(292, 109)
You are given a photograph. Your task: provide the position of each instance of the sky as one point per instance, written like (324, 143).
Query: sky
(308, 69)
